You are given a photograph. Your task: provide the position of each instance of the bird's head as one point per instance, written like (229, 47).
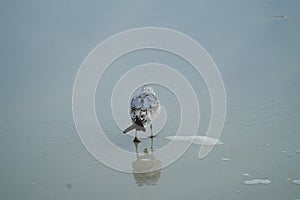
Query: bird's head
(148, 88)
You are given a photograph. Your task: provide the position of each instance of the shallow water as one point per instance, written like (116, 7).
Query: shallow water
(257, 53)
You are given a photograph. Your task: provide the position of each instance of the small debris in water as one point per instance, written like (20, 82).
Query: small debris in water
(69, 185)
(296, 182)
(225, 159)
(279, 16)
(257, 181)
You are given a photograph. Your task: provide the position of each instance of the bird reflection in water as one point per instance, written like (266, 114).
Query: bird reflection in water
(146, 167)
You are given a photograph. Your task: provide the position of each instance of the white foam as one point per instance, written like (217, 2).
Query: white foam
(200, 140)
(298, 151)
(246, 174)
(257, 181)
(296, 182)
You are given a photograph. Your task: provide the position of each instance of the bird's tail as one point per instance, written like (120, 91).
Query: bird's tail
(134, 126)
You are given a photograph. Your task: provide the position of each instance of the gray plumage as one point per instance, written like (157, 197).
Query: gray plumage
(144, 108)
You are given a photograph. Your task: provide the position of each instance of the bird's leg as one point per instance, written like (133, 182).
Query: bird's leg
(151, 136)
(151, 144)
(136, 140)
(136, 144)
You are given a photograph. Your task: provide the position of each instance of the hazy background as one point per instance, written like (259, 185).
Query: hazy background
(256, 46)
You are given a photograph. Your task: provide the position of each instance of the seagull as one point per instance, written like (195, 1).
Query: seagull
(144, 108)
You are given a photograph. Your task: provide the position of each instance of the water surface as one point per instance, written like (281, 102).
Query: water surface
(43, 44)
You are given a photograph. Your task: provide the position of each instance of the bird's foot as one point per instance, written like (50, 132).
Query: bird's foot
(152, 136)
(136, 140)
